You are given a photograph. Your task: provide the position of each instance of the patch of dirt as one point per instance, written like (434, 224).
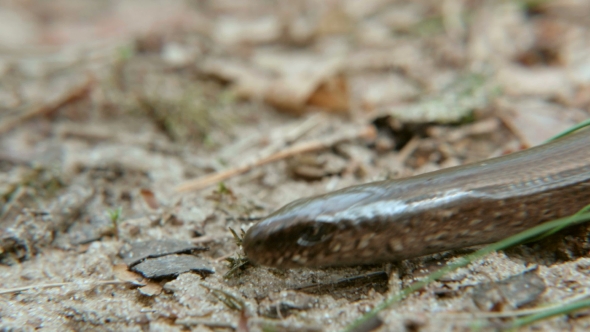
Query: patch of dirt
(174, 121)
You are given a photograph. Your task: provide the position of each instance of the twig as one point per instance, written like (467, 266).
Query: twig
(207, 180)
(515, 313)
(279, 137)
(202, 239)
(59, 284)
(73, 94)
(407, 150)
(14, 198)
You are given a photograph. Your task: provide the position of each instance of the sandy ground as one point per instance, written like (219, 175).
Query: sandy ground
(147, 121)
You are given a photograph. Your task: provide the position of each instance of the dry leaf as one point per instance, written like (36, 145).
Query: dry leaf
(151, 289)
(522, 81)
(231, 31)
(122, 273)
(149, 198)
(306, 80)
(535, 121)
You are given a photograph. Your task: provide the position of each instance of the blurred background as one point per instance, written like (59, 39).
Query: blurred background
(140, 120)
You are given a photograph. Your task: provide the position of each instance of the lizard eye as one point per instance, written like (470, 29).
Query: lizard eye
(313, 234)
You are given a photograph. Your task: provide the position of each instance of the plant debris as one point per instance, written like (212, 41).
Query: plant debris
(510, 293)
(139, 251)
(172, 266)
(139, 141)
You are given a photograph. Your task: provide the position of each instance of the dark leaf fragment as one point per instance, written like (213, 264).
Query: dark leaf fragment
(171, 266)
(139, 251)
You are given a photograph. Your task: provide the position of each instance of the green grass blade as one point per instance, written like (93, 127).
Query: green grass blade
(580, 125)
(565, 309)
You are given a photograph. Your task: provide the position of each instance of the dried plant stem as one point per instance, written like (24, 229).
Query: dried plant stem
(73, 94)
(58, 284)
(208, 180)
